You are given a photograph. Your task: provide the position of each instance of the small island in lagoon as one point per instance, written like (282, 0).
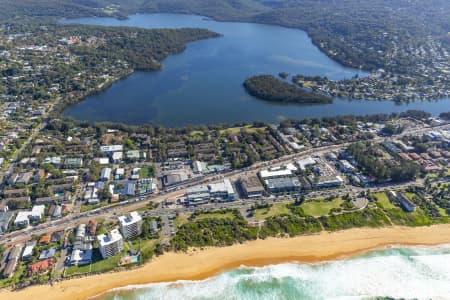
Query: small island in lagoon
(267, 87)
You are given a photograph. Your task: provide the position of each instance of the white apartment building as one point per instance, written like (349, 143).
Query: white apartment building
(130, 225)
(110, 244)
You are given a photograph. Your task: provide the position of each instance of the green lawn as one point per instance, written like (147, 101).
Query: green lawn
(317, 208)
(410, 196)
(196, 133)
(442, 211)
(102, 265)
(447, 173)
(15, 278)
(383, 199)
(77, 270)
(275, 210)
(226, 215)
(180, 220)
(146, 172)
(106, 264)
(432, 176)
(236, 130)
(109, 11)
(144, 244)
(87, 207)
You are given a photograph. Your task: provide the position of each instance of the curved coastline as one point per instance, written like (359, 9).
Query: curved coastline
(201, 264)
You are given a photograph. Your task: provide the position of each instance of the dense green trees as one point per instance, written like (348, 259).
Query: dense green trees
(368, 159)
(290, 225)
(213, 232)
(362, 34)
(267, 87)
(98, 57)
(142, 49)
(366, 217)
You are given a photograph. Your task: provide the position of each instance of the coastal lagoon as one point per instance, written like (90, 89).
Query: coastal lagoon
(203, 84)
(407, 273)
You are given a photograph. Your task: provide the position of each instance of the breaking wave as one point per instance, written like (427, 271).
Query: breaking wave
(407, 273)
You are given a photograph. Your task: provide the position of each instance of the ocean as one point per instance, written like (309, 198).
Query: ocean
(392, 273)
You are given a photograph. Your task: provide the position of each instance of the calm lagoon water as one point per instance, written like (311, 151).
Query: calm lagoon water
(203, 85)
(400, 273)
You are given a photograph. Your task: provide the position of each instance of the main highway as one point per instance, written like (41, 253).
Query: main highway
(174, 193)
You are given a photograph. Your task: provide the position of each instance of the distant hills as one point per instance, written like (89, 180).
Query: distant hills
(357, 33)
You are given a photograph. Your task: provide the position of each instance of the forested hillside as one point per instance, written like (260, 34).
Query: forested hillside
(366, 34)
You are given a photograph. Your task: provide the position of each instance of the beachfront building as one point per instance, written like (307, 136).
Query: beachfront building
(82, 248)
(406, 204)
(222, 191)
(110, 244)
(81, 257)
(130, 225)
(275, 173)
(11, 261)
(197, 195)
(252, 187)
(283, 185)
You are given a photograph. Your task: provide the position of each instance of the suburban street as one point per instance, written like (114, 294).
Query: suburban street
(174, 193)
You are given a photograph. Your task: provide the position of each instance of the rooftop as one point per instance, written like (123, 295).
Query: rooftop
(275, 173)
(112, 237)
(252, 184)
(280, 183)
(131, 218)
(221, 187)
(111, 148)
(46, 254)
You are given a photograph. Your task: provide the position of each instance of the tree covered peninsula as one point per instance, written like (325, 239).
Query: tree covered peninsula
(269, 88)
(69, 62)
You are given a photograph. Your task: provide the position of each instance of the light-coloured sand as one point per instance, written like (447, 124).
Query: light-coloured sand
(205, 263)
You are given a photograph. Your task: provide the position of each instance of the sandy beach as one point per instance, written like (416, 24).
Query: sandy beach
(201, 264)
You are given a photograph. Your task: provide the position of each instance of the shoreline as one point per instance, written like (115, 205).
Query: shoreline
(202, 264)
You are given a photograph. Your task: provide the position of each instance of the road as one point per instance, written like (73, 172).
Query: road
(14, 160)
(112, 211)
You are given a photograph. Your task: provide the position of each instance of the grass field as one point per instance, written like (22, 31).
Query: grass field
(275, 210)
(215, 216)
(144, 243)
(235, 130)
(383, 199)
(196, 133)
(317, 208)
(77, 270)
(180, 220)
